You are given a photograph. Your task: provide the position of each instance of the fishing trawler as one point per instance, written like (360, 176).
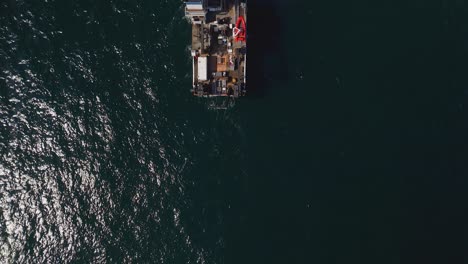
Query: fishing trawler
(219, 47)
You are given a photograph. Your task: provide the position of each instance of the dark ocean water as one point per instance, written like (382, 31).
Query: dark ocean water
(351, 147)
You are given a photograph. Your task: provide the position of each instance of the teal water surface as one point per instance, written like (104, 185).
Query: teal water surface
(350, 148)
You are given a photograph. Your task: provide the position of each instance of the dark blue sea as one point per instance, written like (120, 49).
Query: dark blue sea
(351, 146)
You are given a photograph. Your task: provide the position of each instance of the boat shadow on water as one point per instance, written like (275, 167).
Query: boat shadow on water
(266, 61)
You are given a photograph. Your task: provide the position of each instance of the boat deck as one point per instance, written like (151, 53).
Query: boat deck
(222, 72)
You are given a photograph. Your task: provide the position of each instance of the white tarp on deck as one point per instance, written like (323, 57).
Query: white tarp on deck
(202, 68)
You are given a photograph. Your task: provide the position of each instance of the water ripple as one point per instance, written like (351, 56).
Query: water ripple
(94, 151)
